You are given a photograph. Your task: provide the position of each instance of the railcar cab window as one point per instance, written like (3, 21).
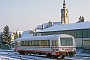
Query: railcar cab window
(66, 41)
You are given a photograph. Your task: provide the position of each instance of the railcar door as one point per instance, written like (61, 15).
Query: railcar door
(54, 47)
(16, 46)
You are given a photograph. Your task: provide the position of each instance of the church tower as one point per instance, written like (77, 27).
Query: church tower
(64, 14)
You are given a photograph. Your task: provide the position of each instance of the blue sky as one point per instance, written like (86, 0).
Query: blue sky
(27, 14)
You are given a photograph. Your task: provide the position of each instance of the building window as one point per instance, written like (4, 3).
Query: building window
(85, 33)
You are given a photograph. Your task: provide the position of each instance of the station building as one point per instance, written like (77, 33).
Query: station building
(81, 30)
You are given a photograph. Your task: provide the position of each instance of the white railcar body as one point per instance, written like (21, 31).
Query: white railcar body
(52, 44)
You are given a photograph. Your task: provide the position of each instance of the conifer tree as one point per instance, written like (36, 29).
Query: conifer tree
(81, 19)
(6, 38)
(1, 37)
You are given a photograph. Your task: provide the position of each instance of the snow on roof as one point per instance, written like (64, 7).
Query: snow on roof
(81, 25)
(39, 27)
(53, 37)
(57, 23)
(19, 32)
(25, 33)
(28, 35)
(46, 24)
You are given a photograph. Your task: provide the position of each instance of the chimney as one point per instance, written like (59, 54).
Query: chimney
(42, 26)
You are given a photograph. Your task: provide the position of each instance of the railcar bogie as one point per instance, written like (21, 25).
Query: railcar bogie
(48, 55)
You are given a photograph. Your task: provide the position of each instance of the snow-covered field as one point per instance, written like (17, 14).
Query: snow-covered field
(11, 55)
(16, 56)
(80, 55)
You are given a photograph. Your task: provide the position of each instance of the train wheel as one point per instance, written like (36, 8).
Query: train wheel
(71, 54)
(21, 53)
(29, 53)
(54, 56)
(48, 55)
(62, 56)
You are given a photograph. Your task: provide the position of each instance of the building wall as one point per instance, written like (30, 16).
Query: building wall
(79, 35)
(78, 42)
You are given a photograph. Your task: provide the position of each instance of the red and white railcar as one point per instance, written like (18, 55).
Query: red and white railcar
(51, 45)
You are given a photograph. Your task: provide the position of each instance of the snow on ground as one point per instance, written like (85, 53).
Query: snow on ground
(81, 54)
(11, 55)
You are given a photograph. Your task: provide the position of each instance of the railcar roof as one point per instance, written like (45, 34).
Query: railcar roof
(48, 37)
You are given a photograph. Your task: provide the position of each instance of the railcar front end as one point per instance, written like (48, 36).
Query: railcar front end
(65, 46)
